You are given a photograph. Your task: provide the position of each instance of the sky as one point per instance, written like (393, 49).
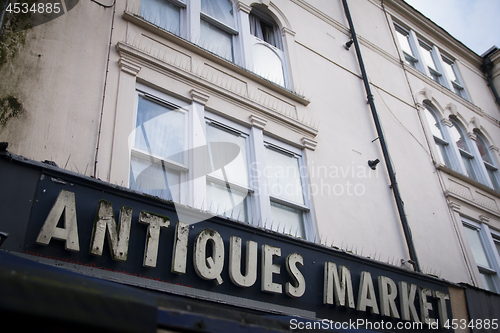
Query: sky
(476, 23)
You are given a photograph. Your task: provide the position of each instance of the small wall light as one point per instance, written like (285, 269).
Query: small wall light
(347, 45)
(373, 163)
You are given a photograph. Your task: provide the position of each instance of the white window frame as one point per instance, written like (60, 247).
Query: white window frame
(258, 201)
(190, 24)
(222, 123)
(307, 218)
(486, 236)
(280, 53)
(439, 74)
(409, 58)
(485, 166)
(173, 104)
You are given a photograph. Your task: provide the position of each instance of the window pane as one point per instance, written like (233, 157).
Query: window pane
(450, 72)
(427, 55)
(477, 247)
(458, 137)
(162, 13)
(221, 199)
(497, 245)
(483, 150)
(488, 282)
(159, 130)
(216, 40)
(236, 171)
(403, 41)
(154, 179)
(433, 123)
(221, 10)
(493, 174)
(468, 165)
(287, 220)
(283, 176)
(267, 64)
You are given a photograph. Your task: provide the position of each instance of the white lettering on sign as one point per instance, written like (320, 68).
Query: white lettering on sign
(64, 206)
(366, 295)
(298, 287)
(180, 252)
(155, 224)
(338, 285)
(425, 306)
(269, 269)
(235, 274)
(117, 235)
(408, 310)
(209, 268)
(388, 292)
(208, 260)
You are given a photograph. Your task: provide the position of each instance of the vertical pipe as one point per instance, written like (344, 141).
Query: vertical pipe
(383, 144)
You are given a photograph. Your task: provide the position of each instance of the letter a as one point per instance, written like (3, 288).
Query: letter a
(65, 204)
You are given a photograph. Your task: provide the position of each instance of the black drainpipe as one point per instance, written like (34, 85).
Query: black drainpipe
(488, 66)
(392, 175)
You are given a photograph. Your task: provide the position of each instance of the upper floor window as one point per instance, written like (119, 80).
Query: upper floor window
(440, 140)
(428, 59)
(213, 25)
(484, 245)
(489, 163)
(267, 46)
(464, 149)
(157, 160)
(459, 151)
(237, 174)
(217, 27)
(404, 41)
(163, 14)
(285, 189)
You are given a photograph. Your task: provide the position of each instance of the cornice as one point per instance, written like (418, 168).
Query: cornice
(202, 88)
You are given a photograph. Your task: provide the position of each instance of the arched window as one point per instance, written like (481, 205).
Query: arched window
(465, 150)
(440, 139)
(267, 46)
(489, 162)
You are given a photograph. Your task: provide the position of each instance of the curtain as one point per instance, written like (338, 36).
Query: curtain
(271, 34)
(161, 13)
(221, 10)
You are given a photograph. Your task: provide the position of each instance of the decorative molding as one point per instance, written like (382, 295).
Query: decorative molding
(240, 5)
(427, 92)
(309, 143)
(454, 206)
(447, 122)
(451, 109)
(494, 148)
(199, 97)
(475, 121)
(472, 136)
(129, 67)
(258, 122)
(288, 31)
(484, 218)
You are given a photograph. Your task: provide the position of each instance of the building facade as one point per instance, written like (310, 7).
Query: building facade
(255, 113)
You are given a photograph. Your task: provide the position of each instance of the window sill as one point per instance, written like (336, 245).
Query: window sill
(467, 179)
(141, 22)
